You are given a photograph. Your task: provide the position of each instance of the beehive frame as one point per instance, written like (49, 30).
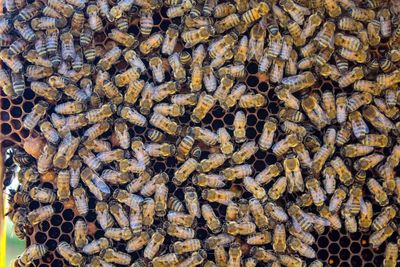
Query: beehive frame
(336, 248)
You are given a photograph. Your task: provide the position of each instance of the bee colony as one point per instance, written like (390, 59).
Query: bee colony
(202, 133)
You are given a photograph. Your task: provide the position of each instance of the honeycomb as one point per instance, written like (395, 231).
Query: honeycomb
(334, 248)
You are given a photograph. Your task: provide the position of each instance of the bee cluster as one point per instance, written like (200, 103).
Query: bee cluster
(234, 133)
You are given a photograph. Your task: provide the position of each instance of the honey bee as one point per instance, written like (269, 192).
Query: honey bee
(138, 242)
(296, 231)
(163, 90)
(160, 200)
(222, 239)
(184, 147)
(314, 111)
(184, 171)
(303, 218)
(209, 79)
(218, 195)
(263, 255)
(256, 42)
(196, 258)
(302, 248)
(391, 255)
(80, 233)
(224, 138)
(63, 184)
(25, 31)
(359, 56)
(156, 66)
(94, 20)
(45, 160)
(221, 256)
(107, 157)
(256, 209)
(350, 77)
(270, 172)
(278, 188)
(252, 101)
(279, 238)
(178, 70)
(267, 136)
(154, 244)
(337, 199)
(204, 135)
(245, 152)
(81, 200)
(365, 219)
(170, 40)
(254, 188)
(179, 10)
(192, 202)
(49, 132)
(169, 258)
(118, 234)
(134, 60)
(377, 119)
(237, 172)
(151, 185)
(213, 162)
(196, 36)
(109, 58)
(31, 253)
(119, 214)
(227, 23)
(6, 84)
(95, 184)
(317, 193)
(103, 216)
(240, 228)
(69, 254)
(359, 127)
(377, 238)
(368, 162)
(180, 218)
(33, 118)
(384, 218)
(123, 38)
(377, 191)
(223, 89)
(19, 220)
(196, 79)
(115, 256)
(133, 116)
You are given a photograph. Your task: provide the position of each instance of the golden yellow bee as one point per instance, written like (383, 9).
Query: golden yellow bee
(69, 254)
(204, 135)
(193, 37)
(133, 116)
(254, 188)
(192, 201)
(31, 253)
(154, 244)
(40, 214)
(109, 58)
(115, 256)
(218, 195)
(166, 259)
(391, 255)
(377, 238)
(138, 242)
(32, 119)
(266, 175)
(377, 191)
